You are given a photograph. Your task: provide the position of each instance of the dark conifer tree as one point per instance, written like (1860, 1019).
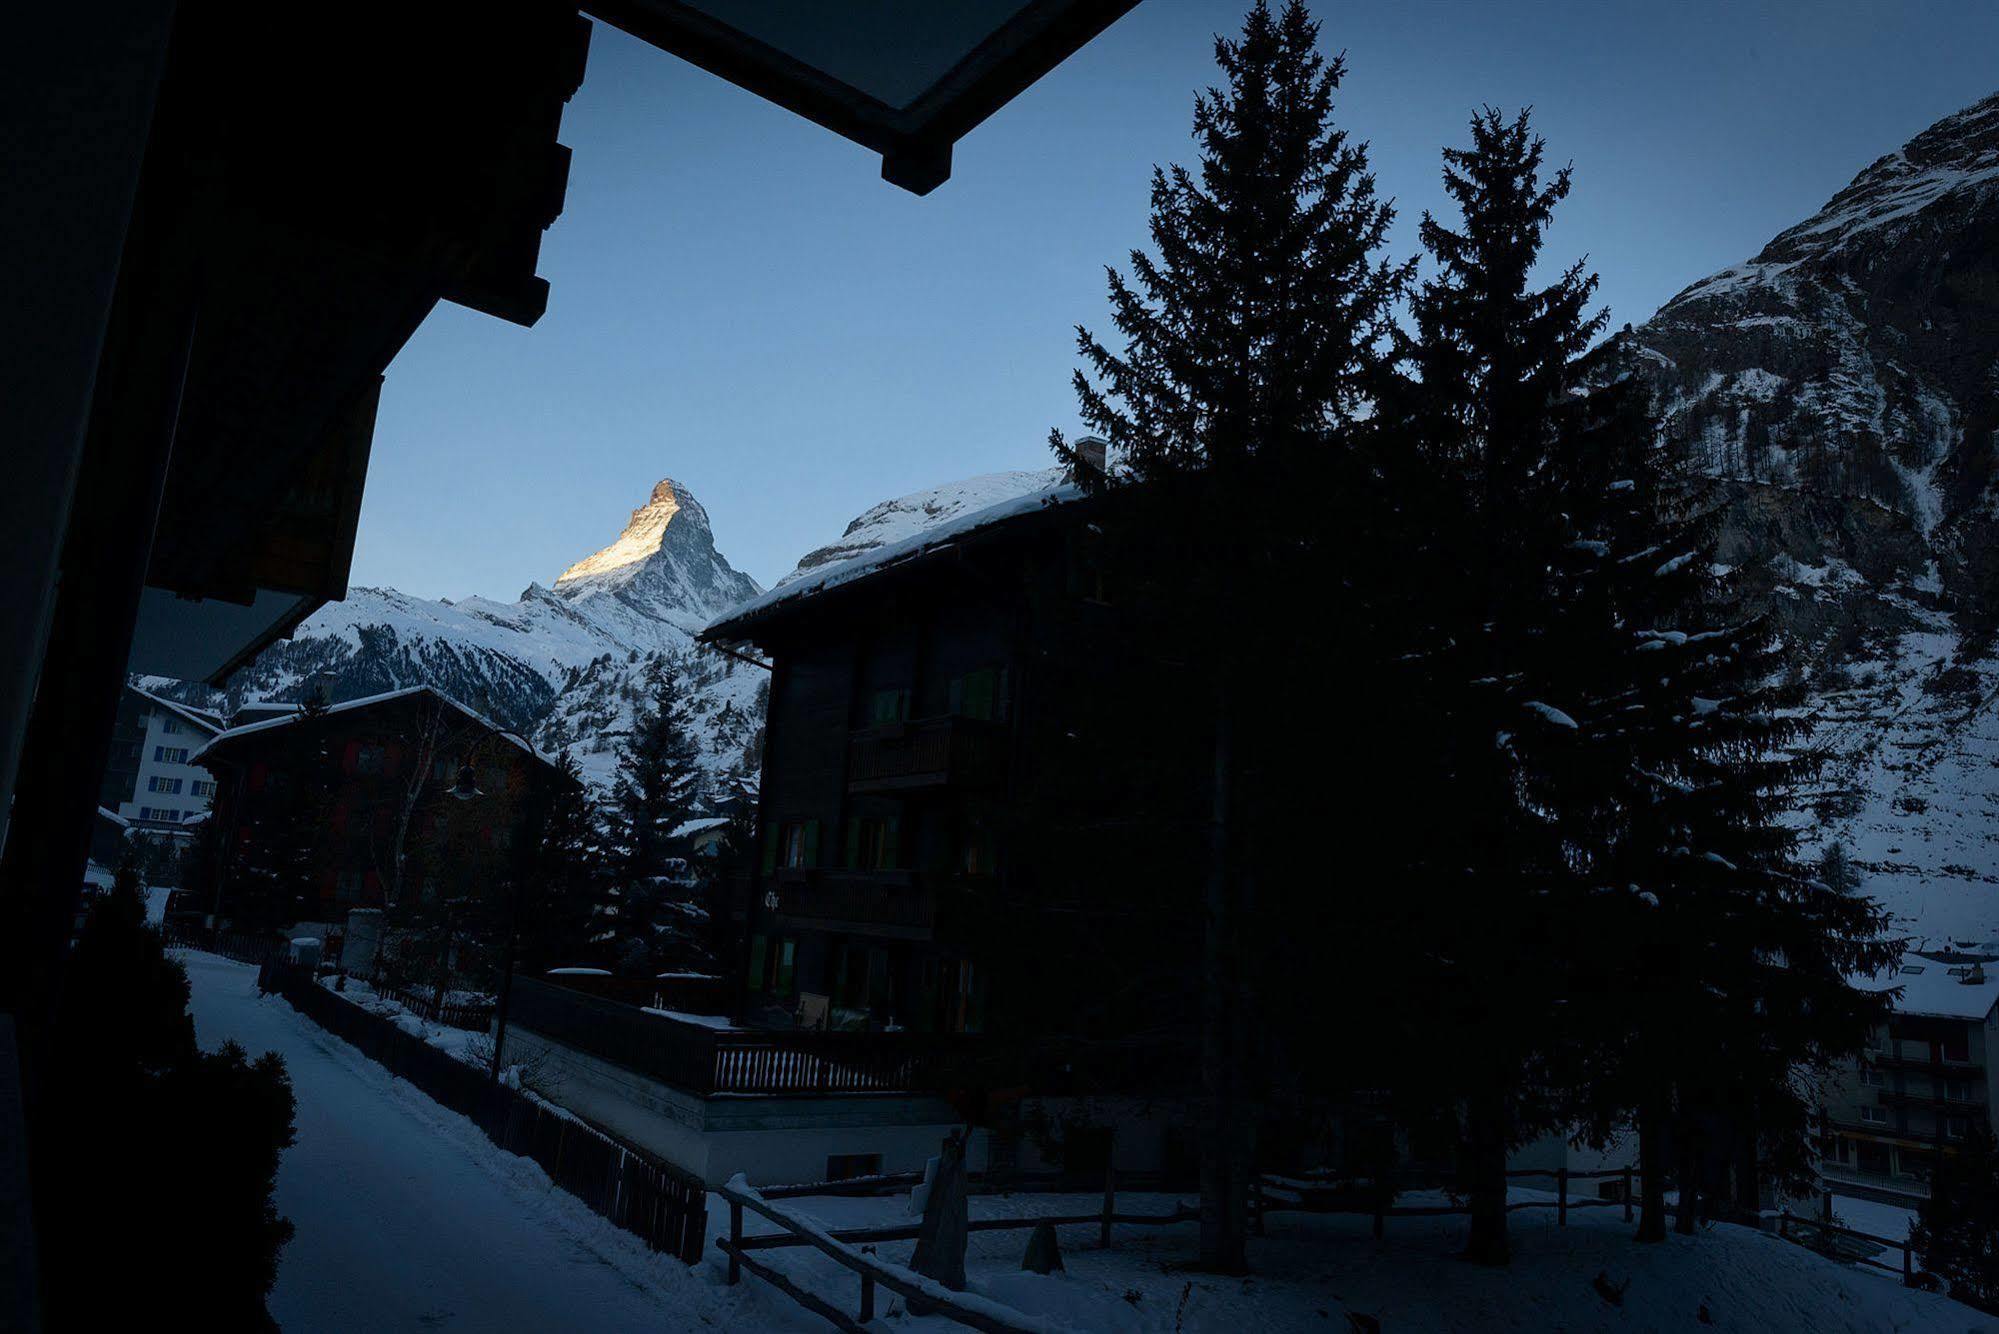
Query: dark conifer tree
(1502, 457)
(657, 775)
(1252, 347)
(567, 879)
(1696, 750)
(1957, 1229)
(654, 794)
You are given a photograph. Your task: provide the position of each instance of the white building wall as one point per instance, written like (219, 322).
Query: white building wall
(770, 1140)
(168, 734)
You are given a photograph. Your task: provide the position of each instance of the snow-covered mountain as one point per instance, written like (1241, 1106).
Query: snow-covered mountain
(563, 664)
(906, 516)
(1845, 385)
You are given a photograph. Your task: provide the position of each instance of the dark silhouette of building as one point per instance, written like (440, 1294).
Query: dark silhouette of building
(935, 854)
(373, 788)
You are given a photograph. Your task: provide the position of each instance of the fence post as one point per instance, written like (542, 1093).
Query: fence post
(1561, 1197)
(1627, 1193)
(867, 1298)
(1908, 1265)
(1110, 1203)
(735, 1240)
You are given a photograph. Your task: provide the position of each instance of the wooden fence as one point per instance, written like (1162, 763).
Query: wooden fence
(1270, 1195)
(1825, 1230)
(476, 1017)
(840, 1244)
(664, 1206)
(242, 946)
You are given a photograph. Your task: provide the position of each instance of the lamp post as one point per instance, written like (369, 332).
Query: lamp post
(466, 788)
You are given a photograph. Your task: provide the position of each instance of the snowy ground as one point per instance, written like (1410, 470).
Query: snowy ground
(1313, 1271)
(410, 1219)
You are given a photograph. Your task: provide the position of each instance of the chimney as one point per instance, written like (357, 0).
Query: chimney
(1090, 453)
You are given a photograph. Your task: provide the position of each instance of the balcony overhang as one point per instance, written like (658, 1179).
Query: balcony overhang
(906, 78)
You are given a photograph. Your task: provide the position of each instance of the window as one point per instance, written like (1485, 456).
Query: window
(873, 843)
(1958, 970)
(1911, 969)
(847, 1166)
(369, 759)
(979, 694)
(798, 844)
(170, 786)
(1872, 1077)
(1956, 1127)
(1874, 1116)
(1956, 1045)
(162, 814)
(169, 724)
(1958, 1090)
(889, 705)
(170, 754)
(783, 975)
(204, 787)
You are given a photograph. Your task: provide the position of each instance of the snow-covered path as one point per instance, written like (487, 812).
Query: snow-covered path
(408, 1218)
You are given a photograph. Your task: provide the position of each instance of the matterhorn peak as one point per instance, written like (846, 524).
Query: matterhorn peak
(670, 504)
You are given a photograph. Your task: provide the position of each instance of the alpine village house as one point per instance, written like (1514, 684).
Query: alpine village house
(923, 937)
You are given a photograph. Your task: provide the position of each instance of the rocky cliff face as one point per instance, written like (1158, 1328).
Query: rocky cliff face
(1847, 377)
(1844, 384)
(563, 664)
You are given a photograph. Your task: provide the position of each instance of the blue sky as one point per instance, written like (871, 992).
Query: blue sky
(742, 304)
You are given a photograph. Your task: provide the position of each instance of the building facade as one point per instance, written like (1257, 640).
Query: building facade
(1924, 1079)
(150, 779)
(359, 804)
(931, 849)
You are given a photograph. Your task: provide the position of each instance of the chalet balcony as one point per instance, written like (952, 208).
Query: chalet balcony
(709, 1061)
(1928, 1061)
(1934, 1098)
(932, 753)
(907, 905)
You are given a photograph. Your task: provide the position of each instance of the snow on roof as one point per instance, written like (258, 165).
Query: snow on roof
(693, 827)
(201, 718)
(114, 817)
(367, 702)
(922, 543)
(577, 972)
(1938, 988)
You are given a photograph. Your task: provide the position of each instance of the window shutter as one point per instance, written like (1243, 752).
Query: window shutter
(811, 842)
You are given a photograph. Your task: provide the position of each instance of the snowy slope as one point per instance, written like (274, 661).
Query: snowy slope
(899, 530)
(1844, 385)
(902, 518)
(564, 663)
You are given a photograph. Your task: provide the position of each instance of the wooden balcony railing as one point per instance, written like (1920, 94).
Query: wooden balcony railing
(707, 1061)
(935, 752)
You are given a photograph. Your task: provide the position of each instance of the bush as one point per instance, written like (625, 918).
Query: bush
(152, 1160)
